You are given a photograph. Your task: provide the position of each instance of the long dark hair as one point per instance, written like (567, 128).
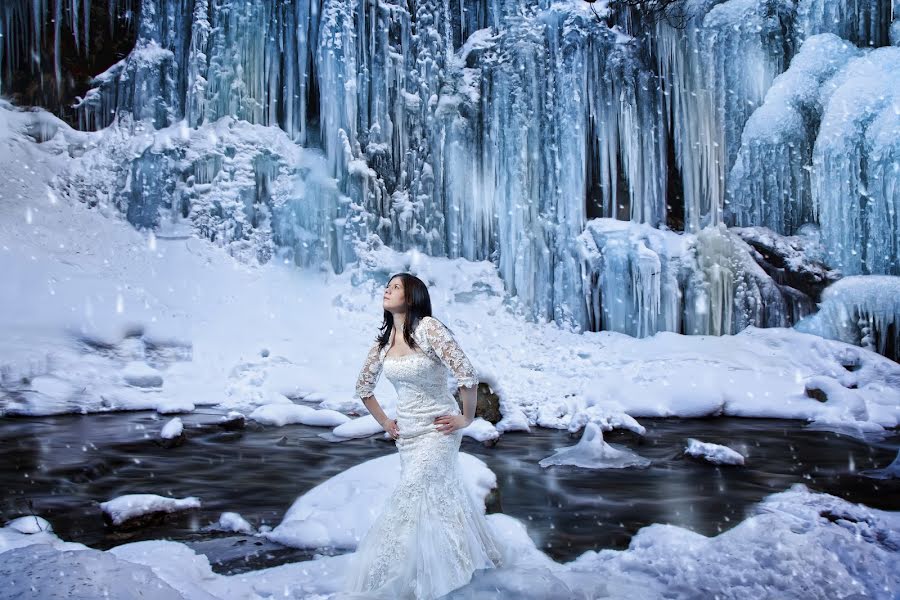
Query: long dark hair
(418, 305)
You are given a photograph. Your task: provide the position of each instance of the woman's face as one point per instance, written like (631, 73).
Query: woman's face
(394, 299)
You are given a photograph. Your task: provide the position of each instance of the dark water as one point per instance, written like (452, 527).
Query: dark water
(65, 466)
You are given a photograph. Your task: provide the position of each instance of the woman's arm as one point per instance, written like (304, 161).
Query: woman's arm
(453, 357)
(388, 424)
(365, 384)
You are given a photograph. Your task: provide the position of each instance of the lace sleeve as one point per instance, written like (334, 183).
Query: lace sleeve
(368, 375)
(441, 341)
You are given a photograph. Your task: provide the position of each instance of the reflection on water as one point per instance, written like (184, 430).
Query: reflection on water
(65, 466)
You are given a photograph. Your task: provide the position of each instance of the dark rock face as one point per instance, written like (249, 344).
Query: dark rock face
(487, 404)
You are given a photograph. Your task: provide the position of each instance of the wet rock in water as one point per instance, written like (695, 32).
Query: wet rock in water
(139, 510)
(282, 441)
(233, 421)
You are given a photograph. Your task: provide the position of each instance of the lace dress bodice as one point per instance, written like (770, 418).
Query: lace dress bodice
(420, 378)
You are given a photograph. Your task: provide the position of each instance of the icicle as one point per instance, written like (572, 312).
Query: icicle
(770, 182)
(862, 22)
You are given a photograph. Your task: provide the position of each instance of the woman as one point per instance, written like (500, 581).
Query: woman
(430, 537)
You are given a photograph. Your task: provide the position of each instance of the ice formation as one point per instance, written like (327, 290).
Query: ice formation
(591, 452)
(861, 310)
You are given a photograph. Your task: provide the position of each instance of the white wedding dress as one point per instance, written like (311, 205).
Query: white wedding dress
(429, 537)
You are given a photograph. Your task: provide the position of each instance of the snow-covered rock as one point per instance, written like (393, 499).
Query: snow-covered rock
(234, 522)
(172, 429)
(287, 413)
(481, 430)
(29, 524)
(122, 509)
(713, 453)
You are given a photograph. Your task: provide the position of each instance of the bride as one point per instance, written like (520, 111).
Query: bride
(430, 537)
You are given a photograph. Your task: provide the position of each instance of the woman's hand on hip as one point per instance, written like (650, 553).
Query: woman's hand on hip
(451, 423)
(390, 425)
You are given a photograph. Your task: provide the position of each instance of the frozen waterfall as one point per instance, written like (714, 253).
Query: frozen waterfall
(598, 165)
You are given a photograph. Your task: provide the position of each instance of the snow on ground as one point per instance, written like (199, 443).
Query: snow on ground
(98, 316)
(794, 544)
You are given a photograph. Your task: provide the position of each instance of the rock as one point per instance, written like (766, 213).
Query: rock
(233, 421)
(487, 404)
(816, 393)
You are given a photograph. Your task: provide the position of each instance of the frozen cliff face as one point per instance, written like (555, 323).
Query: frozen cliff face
(245, 187)
(497, 130)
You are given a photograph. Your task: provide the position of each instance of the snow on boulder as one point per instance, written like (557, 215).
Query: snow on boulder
(140, 374)
(172, 429)
(233, 522)
(136, 509)
(606, 419)
(288, 413)
(714, 453)
(357, 428)
(30, 524)
(481, 430)
(591, 452)
(172, 433)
